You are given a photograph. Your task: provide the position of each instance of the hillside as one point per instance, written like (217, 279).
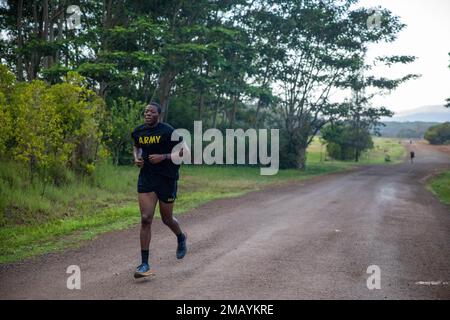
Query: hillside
(436, 113)
(396, 129)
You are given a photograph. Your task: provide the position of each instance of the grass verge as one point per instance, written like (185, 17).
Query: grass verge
(440, 186)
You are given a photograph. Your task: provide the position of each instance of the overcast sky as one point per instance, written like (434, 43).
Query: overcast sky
(426, 36)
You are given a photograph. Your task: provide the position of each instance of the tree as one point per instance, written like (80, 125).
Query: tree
(122, 114)
(345, 142)
(438, 134)
(39, 43)
(50, 126)
(360, 116)
(324, 47)
(238, 63)
(7, 83)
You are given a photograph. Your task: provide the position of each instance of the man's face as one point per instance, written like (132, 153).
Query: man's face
(151, 115)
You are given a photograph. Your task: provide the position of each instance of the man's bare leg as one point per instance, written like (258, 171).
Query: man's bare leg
(166, 211)
(147, 204)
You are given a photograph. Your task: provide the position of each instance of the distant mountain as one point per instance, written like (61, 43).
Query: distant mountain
(409, 130)
(425, 114)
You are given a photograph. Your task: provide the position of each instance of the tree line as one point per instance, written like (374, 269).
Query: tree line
(229, 63)
(438, 134)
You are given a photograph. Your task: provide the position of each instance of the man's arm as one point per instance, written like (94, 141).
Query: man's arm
(138, 161)
(156, 158)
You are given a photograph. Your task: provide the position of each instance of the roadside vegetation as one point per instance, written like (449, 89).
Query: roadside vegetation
(438, 134)
(440, 186)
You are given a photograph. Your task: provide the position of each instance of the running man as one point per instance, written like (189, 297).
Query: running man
(412, 155)
(157, 181)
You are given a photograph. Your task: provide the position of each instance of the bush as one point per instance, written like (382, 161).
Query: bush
(344, 142)
(439, 134)
(49, 127)
(123, 116)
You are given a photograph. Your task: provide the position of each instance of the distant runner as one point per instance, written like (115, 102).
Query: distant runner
(157, 181)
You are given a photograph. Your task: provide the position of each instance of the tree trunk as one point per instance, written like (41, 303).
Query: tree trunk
(145, 86)
(257, 113)
(107, 4)
(301, 158)
(102, 89)
(165, 85)
(32, 65)
(44, 34)
(202, 94)
(200, 106)
(260, 103)
(19, 67)
(356, 155)
(59, 37)
(216, 109)
(51, 38)
(298, 144)
(233, 112)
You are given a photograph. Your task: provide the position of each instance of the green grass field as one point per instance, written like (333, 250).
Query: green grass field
(440, 186)
(382, 147)
(35, 222)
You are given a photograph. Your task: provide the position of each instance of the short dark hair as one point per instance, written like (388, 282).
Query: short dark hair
(154, 104)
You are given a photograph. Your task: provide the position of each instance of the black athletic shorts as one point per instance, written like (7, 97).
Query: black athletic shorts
(164, 187)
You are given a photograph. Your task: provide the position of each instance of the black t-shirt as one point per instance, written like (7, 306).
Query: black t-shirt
(156, 140)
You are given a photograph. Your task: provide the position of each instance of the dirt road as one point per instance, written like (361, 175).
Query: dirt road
(310, 240)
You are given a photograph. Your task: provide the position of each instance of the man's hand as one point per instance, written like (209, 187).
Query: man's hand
(156, 158)
(139, 162)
